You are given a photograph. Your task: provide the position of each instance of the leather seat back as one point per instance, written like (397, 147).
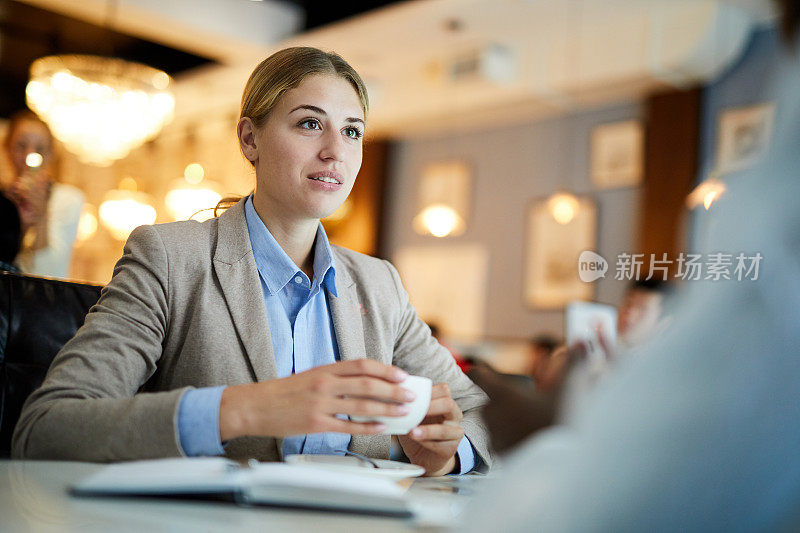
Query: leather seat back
(37, 316)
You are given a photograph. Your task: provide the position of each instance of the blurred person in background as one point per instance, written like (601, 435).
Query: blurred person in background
(540, 349)
(641, 315)
(49, 211)
(700, 433)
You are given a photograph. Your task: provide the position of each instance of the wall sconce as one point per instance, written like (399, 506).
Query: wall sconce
(563, 206)
(706, 193)
(439, 220)
(125, 209)
(443, 199)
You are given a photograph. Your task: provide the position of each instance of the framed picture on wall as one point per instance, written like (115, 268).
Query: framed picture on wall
(744, 135)
(617, 154)
(559, 229)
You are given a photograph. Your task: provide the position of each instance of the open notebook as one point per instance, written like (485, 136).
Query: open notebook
(272, 484)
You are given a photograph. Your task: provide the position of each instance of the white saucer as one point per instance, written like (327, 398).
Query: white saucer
(393, 470)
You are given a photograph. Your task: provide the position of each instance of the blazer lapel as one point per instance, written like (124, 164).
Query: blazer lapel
(346, 315)
(349, 329)
(238, 276)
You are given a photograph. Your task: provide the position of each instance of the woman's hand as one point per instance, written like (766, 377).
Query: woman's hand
(30, 194)
(433, 444)
(308, 402)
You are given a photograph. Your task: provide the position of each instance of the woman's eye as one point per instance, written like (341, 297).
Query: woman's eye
(310, 124)
(353, 133)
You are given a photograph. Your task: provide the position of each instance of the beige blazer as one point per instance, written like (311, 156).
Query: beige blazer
(185, 309)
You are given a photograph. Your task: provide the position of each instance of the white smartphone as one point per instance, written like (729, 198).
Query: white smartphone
(584, 321)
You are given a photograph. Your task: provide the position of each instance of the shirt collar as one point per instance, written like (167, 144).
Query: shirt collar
(275, 267)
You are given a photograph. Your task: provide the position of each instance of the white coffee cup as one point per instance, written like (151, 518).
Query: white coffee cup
(400, 425)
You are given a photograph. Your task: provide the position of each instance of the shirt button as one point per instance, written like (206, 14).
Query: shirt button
(298, 279)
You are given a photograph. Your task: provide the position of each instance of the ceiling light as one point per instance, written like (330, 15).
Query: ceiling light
(100, 108)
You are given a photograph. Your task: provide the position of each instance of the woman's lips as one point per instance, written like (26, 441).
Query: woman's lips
(327, 180)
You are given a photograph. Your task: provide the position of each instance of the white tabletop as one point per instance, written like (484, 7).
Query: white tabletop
(34, 498)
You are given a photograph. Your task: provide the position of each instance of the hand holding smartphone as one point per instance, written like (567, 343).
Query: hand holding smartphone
(595, 325)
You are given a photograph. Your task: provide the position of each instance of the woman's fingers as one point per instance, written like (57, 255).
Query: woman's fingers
(366, 407)
(445, 407)
(354, 428)
(367, 367)
(437, 432)
(440, 390)
(361, 387)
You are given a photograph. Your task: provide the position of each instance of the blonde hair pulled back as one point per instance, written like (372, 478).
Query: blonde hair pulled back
(285, 70)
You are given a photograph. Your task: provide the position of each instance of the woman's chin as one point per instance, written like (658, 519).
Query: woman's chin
(324, 211)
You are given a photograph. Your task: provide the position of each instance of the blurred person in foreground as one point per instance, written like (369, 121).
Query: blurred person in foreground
(49, 211)
(702, 433)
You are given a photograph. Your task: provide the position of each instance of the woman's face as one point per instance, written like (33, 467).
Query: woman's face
(308, 152)
(28, 136)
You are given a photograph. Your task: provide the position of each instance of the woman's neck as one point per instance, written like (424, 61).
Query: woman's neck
(295, 237)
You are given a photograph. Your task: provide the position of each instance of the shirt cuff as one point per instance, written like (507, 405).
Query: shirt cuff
(467, 458)
(198, 422)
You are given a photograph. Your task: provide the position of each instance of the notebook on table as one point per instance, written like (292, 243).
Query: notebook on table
(269, 484)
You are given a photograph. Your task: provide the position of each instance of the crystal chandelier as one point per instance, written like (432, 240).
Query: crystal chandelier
(100, 108)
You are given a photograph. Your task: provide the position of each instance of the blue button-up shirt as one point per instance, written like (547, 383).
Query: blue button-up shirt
(303, 337)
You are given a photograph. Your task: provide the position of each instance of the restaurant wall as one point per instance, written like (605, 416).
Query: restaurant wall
(512, 167)
(746, 83)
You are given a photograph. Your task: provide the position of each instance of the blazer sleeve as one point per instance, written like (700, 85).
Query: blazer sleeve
(88, 408)
(419, 353)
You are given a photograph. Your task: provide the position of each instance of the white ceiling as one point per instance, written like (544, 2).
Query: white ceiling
(558, 55)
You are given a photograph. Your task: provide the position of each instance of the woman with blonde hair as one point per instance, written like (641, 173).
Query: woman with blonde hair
(184, 355)
(49, 211)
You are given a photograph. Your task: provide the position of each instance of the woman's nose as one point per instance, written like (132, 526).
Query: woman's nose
(333, 147)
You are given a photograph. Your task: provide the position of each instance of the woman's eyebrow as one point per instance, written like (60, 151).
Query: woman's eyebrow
(308, 107)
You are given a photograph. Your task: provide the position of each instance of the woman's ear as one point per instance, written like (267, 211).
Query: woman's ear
(246, 131)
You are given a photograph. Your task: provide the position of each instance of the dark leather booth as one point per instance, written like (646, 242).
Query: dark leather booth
(37, 316)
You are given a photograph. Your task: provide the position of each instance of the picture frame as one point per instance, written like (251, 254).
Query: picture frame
(617, 154)
(744, 135)
(551, 254)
